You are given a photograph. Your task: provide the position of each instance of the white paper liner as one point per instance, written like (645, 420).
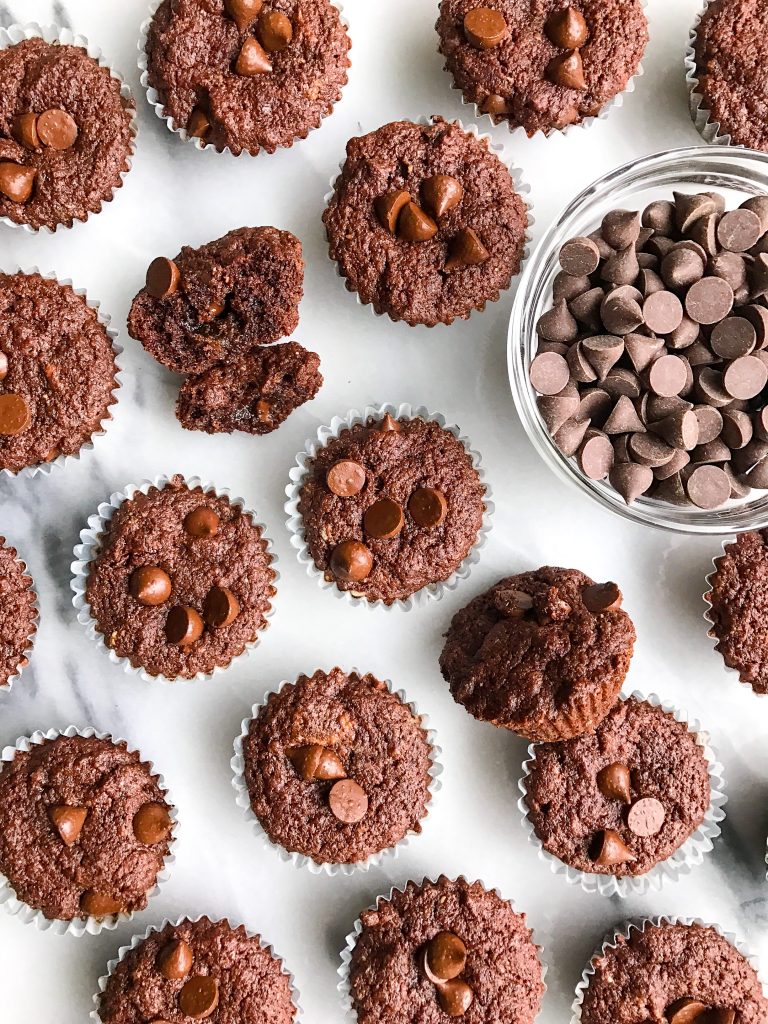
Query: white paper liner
(6, 687)
(90, 925)
(87, 549)
(143, 936)
(56, 34)
(625, 930)
(299, 860)
(682, 861)
(430, 592)
(521, 187)
(709, 130)
(344, 986)
(153, 97)
(44, 468)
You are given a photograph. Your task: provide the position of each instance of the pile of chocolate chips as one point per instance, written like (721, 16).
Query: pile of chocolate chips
(652, 363)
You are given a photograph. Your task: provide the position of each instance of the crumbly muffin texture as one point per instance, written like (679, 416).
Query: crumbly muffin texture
(17, 613)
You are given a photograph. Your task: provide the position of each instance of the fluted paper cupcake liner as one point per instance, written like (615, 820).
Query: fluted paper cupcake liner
(429, 592)
(521, 187)
(700, 115)
(90, 925)
(681, 862)
(6, 688)
(300, 860)
(88, 549)
(105, 320)
(56, 34)
(143, 936)
(153, 96)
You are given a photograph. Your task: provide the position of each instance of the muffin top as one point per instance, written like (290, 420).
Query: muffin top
(65, 134)
(247, 75)
(84, 827)
(623, 798)
(425, 222)
(541, 64)
(18, 618)
(337, 767)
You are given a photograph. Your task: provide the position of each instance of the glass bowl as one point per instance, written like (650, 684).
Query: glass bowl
(737, 174)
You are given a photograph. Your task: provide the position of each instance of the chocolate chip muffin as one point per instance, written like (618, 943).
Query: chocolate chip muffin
(245, 75)
(181, 582)
(57, 371)
(541, 66)
(543, 653)
(18, 618)
(669, 973)
(84, 827)
(391, 506)
(337, 767)
(194, 969)
(445, 948)
(66, 134)
(425, 222)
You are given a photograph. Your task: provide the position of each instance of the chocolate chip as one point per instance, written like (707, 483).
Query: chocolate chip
(620, 228)
(150, 585)
(649, 450)
(708, 487)
(557, 324)
(570, 435)
(3, 365)
(24, 130)
(579, 366)
(620, 381)
(586, 308)
(567, 70)
(681, 268)
(99, 904)
(566, 286)
(351, 561)
(630, 480)
(549, 373)
(620, 315)
(689, 208)
(648, 281)
(455, 997)
(445, 957)
(441, 193)
(556, 409)
(663, 312)
(183, 626)
(389, 207)
(494, 104)
(738, 230)
(174, 961)
(345, 478)
(465, 250)
(730, 267)
(199, 124)
(733, 337)
(201, 522)
(603, 351)
(199, 997)
(601, 597)
(680, 429)
(704, 233)
(608, 849)
(388, 425)
(68, 822)
(253, 59)
(622, 267)
(220, 607)
(699, 354)
(604, 250)
(646, 817)
(614, 782)
(760, 423)
(348, 801)
(642, 350)
(667, 376)
(659, 215)
(243, 12)
(713, 451)
(579, 256)
(759, 277)
(737, 428)
(484, 27)
(316, 762)
(383, 519)
(274, 30)
(566, 28)
(414, 225)
(623, 418)
(16, 182)
(680, 459)
(15, 415)
(163, 278)
(427, 507)
(745, 377)
(659, 246)
(684, 1011)
(596, 456)
(710, 389)
(56, 129)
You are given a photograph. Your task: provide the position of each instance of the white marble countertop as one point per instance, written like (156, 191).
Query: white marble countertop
(177, 195)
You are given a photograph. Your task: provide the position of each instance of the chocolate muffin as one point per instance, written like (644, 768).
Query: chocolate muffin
(245, 75)
(84, 827)
(194, 969)
(543, 653)
(541, 66)
(181, 581)
(445, 948)
(66, 134)
(216, 303)
(622, 799)
(57, 371)
(18, 617)
(673, 973)
(424, 222)
(391, 506)
(337, 767)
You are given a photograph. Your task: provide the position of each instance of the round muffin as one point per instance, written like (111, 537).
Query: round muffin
(84, 827)
(491, 973)
(57, 371)
(665, 968)
(542, 653)
(18, 618)
(247, 76)
(66, 134)
(194, 969)
(594, 799)
(337, 767)
(541, 66)
(181, 582)
(391, 506)
(424, 222)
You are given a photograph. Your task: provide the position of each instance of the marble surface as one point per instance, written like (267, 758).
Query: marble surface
(177, 195)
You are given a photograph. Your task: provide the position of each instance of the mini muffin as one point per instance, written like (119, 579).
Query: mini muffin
(66, 134)
(541, 66)
(57, 371)
(18, 618)
(181, 582)
(193, 969)
(542, 653)
(425, 222)
(444, 949)
(337, 767)
(245, 75)
(84, 827)
(391, 506)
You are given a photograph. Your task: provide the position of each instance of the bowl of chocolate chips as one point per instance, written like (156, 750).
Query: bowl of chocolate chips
(638, 341)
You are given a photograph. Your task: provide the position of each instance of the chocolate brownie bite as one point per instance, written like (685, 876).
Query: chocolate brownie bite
(444, 949)
(337, 767)
(195, 969)
(57, 371)
(84, 827)
(181, 581)
(18, 616)
(542, 653)
(541, 66)
(66, 133)
(391, 506)
(425, 222)
(247, 75)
